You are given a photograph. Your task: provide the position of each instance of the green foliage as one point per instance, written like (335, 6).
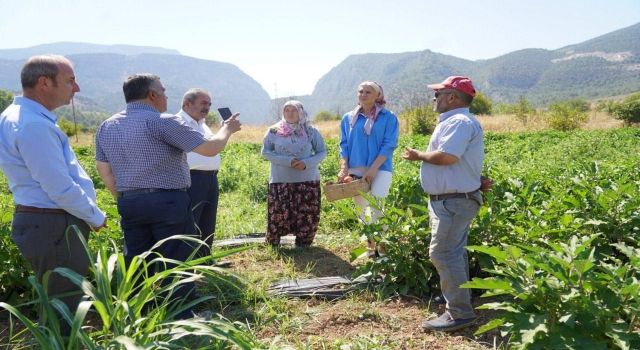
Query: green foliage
(607, 106)
(86, 119)
(67, 127)
(523, 110)
(213, 118)
(422, 120)
(134, 308)
(566, 116)
(578, 104)
(325, 115)
(6, 98)
(628, 110)
(13, 268)
(405, 268)
(563, 295)
(481, 104)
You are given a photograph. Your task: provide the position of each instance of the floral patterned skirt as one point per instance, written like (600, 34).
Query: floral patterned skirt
(293, 208)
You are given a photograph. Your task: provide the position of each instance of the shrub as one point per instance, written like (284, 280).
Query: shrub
(628, 110)
(565, 116)
(422, 120)
(325, 115)
(405, 268)
(563, 295)
(6, 98)
(523, 110)
(67, 127)
(481, 104)
(579, 104)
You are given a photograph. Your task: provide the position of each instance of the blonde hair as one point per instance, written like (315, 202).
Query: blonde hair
(377, 87)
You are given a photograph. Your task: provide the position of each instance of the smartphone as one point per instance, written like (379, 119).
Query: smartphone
(225, 113)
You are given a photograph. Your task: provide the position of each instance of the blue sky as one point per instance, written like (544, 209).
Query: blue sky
(288, 45)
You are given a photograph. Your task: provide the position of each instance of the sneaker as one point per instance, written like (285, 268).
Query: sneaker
(445, 323)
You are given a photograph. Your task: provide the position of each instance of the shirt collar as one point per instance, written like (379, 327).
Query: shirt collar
(462, 110)
(141, 105)
(35, 106)
(189, 118)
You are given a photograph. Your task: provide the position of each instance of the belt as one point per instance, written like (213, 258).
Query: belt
(204, 172)
(27, 209)
(441, 197)
(148, 190)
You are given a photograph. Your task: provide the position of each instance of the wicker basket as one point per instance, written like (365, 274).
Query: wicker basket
(335, 191)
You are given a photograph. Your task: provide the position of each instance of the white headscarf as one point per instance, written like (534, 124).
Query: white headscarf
(380, 102)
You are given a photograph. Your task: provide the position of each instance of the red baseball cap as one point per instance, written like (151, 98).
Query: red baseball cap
(456, 82)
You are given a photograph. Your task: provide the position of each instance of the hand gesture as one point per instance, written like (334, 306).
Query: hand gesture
(411, 154)
(232, 124)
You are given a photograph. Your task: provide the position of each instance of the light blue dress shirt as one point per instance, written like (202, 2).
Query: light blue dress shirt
(458, 133)
(40, 165)
(361, 149)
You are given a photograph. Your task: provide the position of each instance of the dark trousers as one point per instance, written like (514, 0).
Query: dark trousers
(46, 241)
(148, 218)
(204, 204)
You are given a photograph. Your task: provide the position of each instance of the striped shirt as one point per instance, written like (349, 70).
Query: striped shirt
(146, 149)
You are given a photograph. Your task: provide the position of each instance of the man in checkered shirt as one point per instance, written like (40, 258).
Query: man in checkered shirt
(141, 157)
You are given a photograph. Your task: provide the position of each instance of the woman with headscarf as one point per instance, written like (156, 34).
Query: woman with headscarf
(295, 149)
(368, 137)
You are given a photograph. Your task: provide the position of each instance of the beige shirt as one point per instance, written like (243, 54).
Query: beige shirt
(196, 161)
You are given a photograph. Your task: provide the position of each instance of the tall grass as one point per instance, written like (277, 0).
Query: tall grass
(134, 308)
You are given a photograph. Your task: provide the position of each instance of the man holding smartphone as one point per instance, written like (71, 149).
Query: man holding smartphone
(204, 170)
(140, 156)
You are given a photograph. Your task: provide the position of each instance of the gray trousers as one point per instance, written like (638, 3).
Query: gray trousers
(46, 241)
(450, 220)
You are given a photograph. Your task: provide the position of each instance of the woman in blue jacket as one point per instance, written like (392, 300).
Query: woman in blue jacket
(368, 137)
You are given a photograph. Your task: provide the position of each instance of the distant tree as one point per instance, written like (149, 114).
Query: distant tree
(325, 115)
(67, 127)
(481, 104)
(578, 104)
(606, 106)
(565, 116)
(6, 98)
(503, 108)
(523, 110)
(422, 120)
(628, 110)
(213, 119)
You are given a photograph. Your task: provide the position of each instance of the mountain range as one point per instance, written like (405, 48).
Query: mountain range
(605, 66)
(101, 70)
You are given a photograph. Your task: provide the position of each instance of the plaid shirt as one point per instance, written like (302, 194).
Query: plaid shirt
(146, 149)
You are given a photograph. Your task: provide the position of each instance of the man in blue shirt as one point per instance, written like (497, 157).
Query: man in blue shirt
(450, 174)
(50, 189)
(141, 157)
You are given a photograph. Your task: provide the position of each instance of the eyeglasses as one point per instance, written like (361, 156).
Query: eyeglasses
(440, 93)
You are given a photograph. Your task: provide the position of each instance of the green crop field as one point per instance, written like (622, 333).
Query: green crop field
(555, 250)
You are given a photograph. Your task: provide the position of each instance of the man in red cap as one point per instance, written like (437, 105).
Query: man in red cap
(450, 174)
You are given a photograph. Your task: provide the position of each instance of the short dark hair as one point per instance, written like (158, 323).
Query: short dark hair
(38, 66)
(137, 86)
